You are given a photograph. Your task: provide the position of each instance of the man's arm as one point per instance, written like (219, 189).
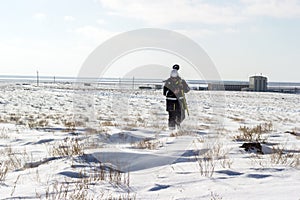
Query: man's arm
(165, 90)
(186, 88)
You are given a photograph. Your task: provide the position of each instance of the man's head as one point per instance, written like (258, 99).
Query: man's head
(174, 73)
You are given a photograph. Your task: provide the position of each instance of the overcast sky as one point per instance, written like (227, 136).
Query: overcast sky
(242, 37)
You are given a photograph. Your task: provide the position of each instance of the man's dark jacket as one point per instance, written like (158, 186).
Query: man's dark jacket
(173, 90)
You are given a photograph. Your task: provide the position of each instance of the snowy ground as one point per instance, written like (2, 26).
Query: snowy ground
(91, 143)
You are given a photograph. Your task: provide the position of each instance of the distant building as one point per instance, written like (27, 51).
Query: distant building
(258, 83)
(228, 86)
(216, 86)
(235, 87)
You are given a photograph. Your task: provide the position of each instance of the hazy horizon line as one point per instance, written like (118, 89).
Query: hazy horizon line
(12, 76)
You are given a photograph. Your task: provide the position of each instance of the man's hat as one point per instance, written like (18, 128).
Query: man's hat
(176, 66)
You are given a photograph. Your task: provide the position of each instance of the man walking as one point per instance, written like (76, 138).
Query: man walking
(174, 90)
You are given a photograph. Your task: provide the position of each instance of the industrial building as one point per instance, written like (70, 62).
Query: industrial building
(258, 83)
(228, 86)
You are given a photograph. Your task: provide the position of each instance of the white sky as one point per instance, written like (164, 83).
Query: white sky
(242, 37)
(161, 58)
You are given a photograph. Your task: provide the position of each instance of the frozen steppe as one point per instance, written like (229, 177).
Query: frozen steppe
(60, 141)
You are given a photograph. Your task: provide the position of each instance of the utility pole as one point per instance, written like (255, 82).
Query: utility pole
(133, 82)
(37, 78)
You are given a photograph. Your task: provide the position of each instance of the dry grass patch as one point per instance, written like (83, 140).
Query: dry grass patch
(3, 171)
(108, 123)
(181, 133)
(35, 123)
(3, 120)
(13, 159)
(282, 157)
(68, 147)
(215, 196)
(216, 153)
(4, 134)
(70, 125)
(85, 185)
(237, 119)
(278, 157)
(148, 143)
(254, 134)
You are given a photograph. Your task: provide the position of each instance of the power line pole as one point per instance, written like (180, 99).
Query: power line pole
(133, 82)
(37, 78)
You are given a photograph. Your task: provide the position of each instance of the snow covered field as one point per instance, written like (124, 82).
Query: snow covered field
(91, 143)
